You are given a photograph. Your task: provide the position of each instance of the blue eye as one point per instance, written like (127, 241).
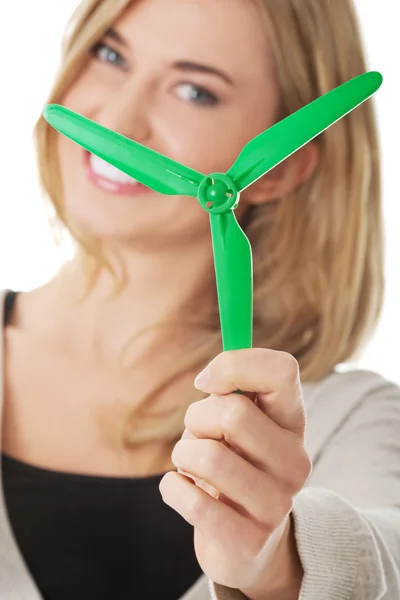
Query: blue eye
(105, 53)
(197, 94)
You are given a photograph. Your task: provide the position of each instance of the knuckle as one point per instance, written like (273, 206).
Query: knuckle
(168, 483)
(222, 360)
(197, 509)
(191, 413)
(286, 506)
(305, 466)
(300, 471)
(234, 414)
(289, 367)
(231, 364)
(209, 458)
(223, 366)
(265, 356)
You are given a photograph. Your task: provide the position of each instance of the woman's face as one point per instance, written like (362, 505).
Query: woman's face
(192, 80)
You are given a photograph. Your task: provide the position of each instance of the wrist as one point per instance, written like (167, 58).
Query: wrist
(282, 579)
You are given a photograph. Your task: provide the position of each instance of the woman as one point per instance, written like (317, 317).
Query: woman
(99, 413)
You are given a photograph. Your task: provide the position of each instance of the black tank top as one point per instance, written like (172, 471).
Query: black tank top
(87, 537)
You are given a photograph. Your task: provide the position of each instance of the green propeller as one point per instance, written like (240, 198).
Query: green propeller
(219, 193)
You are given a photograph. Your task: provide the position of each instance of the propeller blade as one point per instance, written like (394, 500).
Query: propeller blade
(152, 169)
(234, 274)
(277, 143)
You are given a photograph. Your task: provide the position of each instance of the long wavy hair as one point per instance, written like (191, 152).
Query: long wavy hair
(317, 251)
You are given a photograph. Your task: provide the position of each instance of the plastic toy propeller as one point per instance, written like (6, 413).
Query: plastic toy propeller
(219, 193)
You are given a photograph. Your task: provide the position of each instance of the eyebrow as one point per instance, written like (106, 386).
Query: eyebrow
(114, 35)
(182, 65)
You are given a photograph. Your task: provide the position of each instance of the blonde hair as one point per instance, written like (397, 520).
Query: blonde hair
(318, 251)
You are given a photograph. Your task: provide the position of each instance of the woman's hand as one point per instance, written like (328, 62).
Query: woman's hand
(247, 458)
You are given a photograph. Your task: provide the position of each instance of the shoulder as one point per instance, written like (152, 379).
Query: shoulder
(357, 400)
(349, 388)
(6, 302)
(3, 295)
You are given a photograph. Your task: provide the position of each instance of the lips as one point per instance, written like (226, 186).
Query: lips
(110, 179)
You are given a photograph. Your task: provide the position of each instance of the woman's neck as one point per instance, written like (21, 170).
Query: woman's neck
(157, 288)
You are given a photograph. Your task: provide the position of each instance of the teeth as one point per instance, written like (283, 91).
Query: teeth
(104, 169)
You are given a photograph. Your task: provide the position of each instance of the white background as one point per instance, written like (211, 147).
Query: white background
(29, 46)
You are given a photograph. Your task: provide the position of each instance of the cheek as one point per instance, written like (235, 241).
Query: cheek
(88, 93)
(207, 143)
(196, 137)
(203, 149)
(68, 154)
(74, 98)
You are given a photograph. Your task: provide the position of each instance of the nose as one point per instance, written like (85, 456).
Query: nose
(127, 112)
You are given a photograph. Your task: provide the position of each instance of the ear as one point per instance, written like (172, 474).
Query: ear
(285, 177)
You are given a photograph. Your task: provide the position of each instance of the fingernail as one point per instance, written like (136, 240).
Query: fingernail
(202, 380)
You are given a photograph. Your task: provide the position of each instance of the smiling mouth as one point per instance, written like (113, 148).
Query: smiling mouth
(109, 178)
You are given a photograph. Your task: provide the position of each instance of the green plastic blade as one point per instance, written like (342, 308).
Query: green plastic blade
(234, 275)
(278, 142)
(151, 168)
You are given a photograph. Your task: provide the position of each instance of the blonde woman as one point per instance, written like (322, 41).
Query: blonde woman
(120, 478)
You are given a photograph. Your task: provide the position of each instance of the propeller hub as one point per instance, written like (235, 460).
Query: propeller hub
(218, 193)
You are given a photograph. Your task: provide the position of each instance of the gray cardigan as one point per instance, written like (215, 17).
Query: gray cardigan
(347, 519)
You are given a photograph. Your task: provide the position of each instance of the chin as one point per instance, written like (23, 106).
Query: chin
(145, 225)
(101, 225)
